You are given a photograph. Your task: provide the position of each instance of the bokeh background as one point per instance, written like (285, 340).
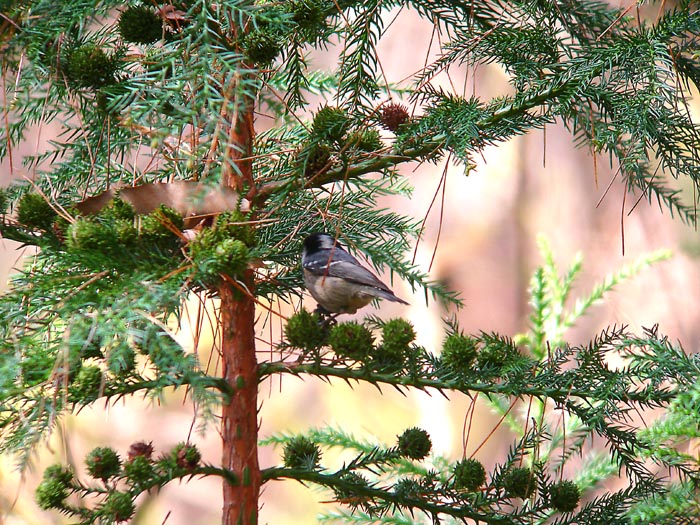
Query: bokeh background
(480, 238)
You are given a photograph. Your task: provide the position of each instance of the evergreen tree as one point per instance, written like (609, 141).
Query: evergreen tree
(160, 186)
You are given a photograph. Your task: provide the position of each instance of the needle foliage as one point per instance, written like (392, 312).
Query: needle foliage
(153, 92)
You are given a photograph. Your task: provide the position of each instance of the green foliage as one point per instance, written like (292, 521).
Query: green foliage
(469, 474)
(550, 293)
(414, 443)
(89, 67)
(305, 330)
(103, 463)
(34, 212)
(262, 46)
(350, 489)
(59, 473)
(118, 507)
(101, 293)
(314, 159)
(90, 235)
(367, 140)
(51, 493)
(351, 340)
(615, 93)
(354, 207)
(519, 483)
(397, 336)
(330, 124)
(666, 508)
(101, 325)
(213, 255)
(302, 453)
(117, 239)
(121, 358)
(88, 385)
(54, 488)
(595, 398)
(159, 228)
(221, 250)
(495, 354)
(36, 369)
(309, 17)
(408, 488)
(186, 456)
(94, 314)
(118, 209)
(102, 502)
(564, 496)
(140, 25)
(140, 471)
(458, 352)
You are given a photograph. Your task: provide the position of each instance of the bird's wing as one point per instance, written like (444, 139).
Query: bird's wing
(345, 266)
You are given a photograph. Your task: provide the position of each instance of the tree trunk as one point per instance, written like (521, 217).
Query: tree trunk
(239, 425)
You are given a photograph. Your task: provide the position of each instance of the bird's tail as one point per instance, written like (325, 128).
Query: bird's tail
(389, 296)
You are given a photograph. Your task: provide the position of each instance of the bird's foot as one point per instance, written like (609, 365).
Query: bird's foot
(327, 319)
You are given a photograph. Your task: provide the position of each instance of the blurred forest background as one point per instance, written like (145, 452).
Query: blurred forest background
(480, 238)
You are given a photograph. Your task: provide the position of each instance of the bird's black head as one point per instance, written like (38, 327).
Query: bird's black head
(319, 241)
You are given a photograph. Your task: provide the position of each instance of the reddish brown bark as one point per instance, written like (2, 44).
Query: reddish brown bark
(239, 425)
(238, 169)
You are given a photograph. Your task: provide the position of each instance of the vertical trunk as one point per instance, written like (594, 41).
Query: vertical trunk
(238, 157)
(239, 425)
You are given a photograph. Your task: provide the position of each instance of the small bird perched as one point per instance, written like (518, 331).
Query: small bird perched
(338, 282)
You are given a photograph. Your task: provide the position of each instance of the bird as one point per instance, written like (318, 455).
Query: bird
(339, 282)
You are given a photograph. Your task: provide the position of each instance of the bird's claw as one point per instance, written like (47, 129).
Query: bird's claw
(327, 319)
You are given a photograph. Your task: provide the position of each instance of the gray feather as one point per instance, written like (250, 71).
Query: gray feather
(338, 281)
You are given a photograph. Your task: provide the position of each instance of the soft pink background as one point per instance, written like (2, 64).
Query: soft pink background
(487, 224)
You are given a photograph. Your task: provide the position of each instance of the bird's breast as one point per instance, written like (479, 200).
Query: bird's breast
(335, 294)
